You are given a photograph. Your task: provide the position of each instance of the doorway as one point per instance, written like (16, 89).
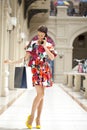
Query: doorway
(79, 49)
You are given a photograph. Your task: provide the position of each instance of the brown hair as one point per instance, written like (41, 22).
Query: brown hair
(43, 29)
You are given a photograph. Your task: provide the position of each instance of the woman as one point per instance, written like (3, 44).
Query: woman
(38, 53)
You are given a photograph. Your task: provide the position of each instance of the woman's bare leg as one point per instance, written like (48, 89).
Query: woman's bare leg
(36, 102)
(39, 110)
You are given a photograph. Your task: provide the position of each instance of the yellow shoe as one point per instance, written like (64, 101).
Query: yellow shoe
(28, 118)
(38, 126)
(29, 126)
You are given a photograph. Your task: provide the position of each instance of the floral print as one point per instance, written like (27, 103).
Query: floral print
(39, 66)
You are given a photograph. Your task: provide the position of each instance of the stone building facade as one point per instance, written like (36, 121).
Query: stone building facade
(16, 31)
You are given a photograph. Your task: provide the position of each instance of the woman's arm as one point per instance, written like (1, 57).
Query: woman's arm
(51, 56)
(25, 58)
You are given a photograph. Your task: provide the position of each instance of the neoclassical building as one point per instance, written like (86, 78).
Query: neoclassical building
(19, 20)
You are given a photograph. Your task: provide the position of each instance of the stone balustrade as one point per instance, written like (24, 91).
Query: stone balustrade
(73, 80)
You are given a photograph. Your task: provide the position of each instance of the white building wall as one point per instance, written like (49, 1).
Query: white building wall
(61, 28)
(11, 42)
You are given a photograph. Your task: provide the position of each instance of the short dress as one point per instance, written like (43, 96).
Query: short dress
(40, 67)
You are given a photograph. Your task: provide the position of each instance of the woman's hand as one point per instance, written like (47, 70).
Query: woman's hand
(12, 62)
(21, 60)
(51, 56)
(44, 42)
(7, 61)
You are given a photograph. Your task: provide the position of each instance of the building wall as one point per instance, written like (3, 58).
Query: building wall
(11, 42)
(62, 29)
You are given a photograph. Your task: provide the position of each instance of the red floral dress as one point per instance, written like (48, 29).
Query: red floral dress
(39, 64)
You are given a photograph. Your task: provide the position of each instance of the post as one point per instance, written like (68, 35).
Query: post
(62, 11)
(4, 51)
(65, 79)
(85, 86)
(69, 80)
(77, 82)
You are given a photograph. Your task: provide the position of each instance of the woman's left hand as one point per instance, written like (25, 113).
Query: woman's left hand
(44, 42)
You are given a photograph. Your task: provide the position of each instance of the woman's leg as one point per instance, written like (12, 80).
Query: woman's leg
(39, 110)
(36, 102)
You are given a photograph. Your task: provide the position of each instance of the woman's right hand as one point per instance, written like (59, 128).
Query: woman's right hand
(21, 60)
(7, 61)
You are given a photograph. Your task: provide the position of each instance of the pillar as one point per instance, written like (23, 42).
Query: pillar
(77, 82)
(70, 79)
(12, 45)
(61, 11)
(61, 39)
(4, 50)
(85, 86)
(1, 40)
(65, 79)
(11, 56)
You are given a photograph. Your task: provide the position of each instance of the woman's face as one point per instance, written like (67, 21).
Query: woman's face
(41, 35)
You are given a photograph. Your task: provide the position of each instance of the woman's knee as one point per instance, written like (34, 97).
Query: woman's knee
(40, 95)
(40, 91)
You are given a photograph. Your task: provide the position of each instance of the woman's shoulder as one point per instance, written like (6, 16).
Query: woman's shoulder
(32, 45)
(33, 42)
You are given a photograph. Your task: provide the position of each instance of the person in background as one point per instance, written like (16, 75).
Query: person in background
(38, 53)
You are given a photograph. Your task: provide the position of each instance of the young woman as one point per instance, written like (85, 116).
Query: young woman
(38, 54)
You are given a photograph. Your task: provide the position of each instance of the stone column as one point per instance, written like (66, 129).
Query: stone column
(77, 83)
(11, 56)
(65, 82)
(85, 86)
(61, 11)
(60, 36)
(12, 45)
(70, 76)
(1, 40)
(4, 50)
